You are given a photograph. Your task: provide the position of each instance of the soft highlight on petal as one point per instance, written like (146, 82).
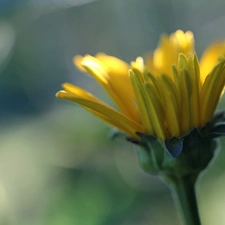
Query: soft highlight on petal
(116, 84)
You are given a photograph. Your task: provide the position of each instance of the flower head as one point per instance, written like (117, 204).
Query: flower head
(165, 107)
(166, 96)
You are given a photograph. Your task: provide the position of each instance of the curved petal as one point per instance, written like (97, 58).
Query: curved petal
(115, 65)
(98, 108)
(116, 85)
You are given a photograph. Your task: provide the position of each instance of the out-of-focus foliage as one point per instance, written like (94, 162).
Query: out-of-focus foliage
(57, 163)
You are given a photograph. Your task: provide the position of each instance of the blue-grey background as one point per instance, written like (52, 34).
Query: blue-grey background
(57, 163)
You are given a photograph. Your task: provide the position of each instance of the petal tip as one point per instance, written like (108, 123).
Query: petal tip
(60, 94)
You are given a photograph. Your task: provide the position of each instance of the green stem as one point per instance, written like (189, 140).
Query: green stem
(185, 199)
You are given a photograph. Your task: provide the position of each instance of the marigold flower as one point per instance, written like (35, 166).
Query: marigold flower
(166, 96)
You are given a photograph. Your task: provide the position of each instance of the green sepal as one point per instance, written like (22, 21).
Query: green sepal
(152, 150)
(219, 130)
(219, 117)
(194, 152)
(113, 134)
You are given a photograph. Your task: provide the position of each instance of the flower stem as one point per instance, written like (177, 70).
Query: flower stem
(185, 199)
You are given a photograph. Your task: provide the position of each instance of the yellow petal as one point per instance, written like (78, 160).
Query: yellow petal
(185, 110)
(138, 64)
(155, 110)
(150, 65)
(164, 56)
(96, 69)
(118, 77)
(183, 82)
(138, 67)
(77, 60)
(183, 41)
(113, 64)
(141, 102)
(171, 104)
(77, 91)
(120, 92)
(210, 58)
(211, 91)
(194, 73)
(99, 109)
(154, 82)
(167, 52)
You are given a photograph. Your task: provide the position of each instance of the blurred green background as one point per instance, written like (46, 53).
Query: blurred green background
(57, 163)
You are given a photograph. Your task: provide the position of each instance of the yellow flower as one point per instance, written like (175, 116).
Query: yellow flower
(166, 96)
